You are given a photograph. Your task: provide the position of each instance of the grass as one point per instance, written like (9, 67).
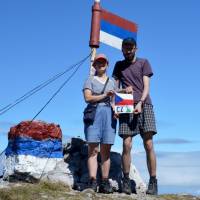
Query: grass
(58, 191)
(25, 191)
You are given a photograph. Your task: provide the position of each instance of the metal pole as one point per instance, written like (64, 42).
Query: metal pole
(95, 32)
(93, 54)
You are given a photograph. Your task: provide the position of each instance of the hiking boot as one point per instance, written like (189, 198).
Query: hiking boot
(92, 184)
(152, 187)
(105, 187)
(126, 186)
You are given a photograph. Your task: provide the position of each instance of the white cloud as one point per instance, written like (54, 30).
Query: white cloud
(173, 141)
(173, 168)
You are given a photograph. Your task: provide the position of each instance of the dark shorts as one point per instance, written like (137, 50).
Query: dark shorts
(104, 127)
(133, 124)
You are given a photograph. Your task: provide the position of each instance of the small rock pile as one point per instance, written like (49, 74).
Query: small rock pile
(76, 155)
(35, 152)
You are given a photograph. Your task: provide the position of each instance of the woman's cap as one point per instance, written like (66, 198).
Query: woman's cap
(100, 56)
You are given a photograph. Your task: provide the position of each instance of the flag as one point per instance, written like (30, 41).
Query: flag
(113, 29)
(124, 103)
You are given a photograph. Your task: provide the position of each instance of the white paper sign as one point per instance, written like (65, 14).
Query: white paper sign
(124, 103)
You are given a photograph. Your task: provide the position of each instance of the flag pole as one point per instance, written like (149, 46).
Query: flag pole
(94, 32)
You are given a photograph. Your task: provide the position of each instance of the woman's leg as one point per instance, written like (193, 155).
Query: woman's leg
(93, 149)
(105, 186)
(105, 160)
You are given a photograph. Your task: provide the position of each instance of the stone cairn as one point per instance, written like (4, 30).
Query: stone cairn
(35, 152)
(76, 154)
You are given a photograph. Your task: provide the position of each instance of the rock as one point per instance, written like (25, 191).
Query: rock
(34, 148)
(38, 130)
(78, 155)
(2, 163)
(35, 152)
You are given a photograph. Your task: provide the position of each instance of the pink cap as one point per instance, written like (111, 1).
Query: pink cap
(100, 56)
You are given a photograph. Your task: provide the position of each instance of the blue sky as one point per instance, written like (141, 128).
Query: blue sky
(41, 38)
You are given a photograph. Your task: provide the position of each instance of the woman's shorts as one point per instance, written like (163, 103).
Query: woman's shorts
(133, 124)
(103, 128)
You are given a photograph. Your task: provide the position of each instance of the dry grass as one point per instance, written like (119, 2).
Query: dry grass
(39, 191)
(58, 191)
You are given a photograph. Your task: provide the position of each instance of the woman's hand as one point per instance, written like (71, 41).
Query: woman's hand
(110, 93)
(129, 90)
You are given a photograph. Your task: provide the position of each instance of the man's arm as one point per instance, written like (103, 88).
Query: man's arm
(138, 107)
(146, 81)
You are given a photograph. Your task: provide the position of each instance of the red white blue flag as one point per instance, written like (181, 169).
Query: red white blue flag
(124, 103)
(113, 29)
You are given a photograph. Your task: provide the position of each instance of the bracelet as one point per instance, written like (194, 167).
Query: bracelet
(142, 101)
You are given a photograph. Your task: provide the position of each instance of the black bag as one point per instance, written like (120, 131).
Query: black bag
(89, 113)
(90, 110)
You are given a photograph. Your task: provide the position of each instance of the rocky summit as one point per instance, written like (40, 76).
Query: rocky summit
(35, 153)
(59, 191)
(37, 165)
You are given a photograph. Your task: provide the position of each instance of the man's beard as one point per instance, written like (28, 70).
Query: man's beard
(129, 57)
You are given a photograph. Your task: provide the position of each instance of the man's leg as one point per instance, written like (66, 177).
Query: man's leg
(93, 149)
(150, 153)
(151, 162)
(126, 162)
(105, 168)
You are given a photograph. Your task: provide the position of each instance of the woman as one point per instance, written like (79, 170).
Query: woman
(102, 130)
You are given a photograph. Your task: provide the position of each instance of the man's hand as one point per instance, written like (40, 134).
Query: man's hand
(116, 116)
(138, 108)
(129, 90)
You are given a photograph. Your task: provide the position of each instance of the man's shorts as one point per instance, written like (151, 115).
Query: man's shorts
(133, 124)
(103, 130)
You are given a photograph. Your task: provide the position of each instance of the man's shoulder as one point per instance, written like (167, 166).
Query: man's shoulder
(119, 62)
(138, 59)
(142, 60)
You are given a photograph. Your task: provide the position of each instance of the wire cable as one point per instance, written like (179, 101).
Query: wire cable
(59, 89)
(39, 87)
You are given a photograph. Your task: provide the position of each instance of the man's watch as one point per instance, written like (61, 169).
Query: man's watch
(142, 101)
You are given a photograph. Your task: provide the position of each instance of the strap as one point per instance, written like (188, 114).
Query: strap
(105, 85)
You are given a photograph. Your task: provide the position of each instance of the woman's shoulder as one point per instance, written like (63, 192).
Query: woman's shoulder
(89, 79)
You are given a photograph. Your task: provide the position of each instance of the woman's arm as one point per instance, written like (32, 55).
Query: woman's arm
(89, 98)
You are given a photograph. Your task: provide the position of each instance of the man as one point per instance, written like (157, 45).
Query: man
(133, 75)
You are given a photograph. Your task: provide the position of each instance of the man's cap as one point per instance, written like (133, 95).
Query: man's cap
(129, 41)
(99, 57)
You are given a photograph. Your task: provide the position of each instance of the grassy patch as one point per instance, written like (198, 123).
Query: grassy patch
(43, 190)
(58, 191)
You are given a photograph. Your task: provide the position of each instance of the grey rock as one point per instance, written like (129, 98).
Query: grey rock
(71, 170)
